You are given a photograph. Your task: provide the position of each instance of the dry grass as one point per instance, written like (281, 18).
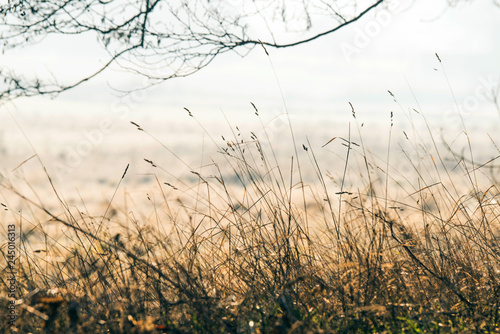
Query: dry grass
(252, 248)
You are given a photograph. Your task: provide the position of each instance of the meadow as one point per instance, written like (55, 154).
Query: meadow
(350, 235)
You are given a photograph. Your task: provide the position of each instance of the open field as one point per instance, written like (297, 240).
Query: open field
(264, 233)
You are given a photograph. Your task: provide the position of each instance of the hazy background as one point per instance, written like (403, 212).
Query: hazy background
(85, 139)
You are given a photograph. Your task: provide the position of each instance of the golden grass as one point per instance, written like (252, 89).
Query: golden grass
(252, 248)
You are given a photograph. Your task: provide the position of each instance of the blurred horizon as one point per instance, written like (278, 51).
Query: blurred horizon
(314, 83)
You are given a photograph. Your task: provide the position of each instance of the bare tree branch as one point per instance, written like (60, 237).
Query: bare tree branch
(310, 39)
(160, 39)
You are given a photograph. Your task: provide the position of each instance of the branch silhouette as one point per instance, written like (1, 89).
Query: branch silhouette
(159, 39)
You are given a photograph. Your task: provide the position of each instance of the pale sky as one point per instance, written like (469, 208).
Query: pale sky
(316, 76)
